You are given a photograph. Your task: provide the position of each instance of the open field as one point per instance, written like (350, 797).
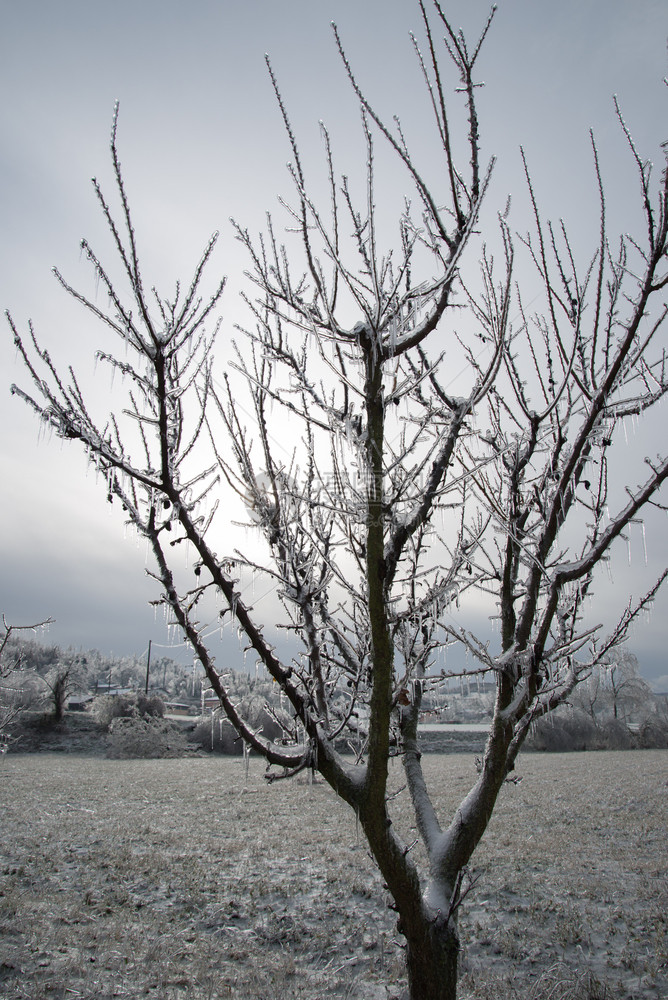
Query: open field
(191, 879)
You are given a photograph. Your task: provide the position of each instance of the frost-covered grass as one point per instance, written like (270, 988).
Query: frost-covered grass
(190, 879)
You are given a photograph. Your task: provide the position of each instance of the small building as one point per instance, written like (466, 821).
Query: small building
(104, 687)
(79, 702)
(180, 708)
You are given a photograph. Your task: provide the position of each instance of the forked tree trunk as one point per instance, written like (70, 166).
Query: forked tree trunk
(432, 954)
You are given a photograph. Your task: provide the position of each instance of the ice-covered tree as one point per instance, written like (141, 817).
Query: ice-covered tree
(11, 700)
(60, 682)
(625, 693)
(407, 489)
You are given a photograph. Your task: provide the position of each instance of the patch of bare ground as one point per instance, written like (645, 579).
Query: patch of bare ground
(193, 880)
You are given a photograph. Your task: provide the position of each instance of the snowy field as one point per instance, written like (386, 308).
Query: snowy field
(193, 879)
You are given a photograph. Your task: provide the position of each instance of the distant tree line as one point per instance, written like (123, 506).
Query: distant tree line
(38, 675)
(614, 709)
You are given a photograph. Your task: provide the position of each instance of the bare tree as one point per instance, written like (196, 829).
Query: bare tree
(590, 694)
(615, 689)
(406, 490)
(60, 681)
(621, 681)
(10, 663)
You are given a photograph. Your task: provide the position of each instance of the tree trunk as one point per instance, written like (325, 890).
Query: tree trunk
(59, 699)
(432, 954)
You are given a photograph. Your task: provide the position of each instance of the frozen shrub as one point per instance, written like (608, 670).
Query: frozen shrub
(653, 733)
(150, 705)
(564, 733)
(105, 708)
(617, 736)
(108, 707)
(578, 731)
(149, 737)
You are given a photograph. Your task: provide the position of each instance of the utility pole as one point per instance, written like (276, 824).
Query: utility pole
(148, 665)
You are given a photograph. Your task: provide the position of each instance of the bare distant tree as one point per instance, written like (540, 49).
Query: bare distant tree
(61, 681)
(589, 695)
(10, 663)
(406, 490)
(615, 688)
(627, 693)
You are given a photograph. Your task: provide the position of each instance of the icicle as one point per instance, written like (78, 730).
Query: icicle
(393, 334)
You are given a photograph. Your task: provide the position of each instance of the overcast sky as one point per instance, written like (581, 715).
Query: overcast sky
(201, 140)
